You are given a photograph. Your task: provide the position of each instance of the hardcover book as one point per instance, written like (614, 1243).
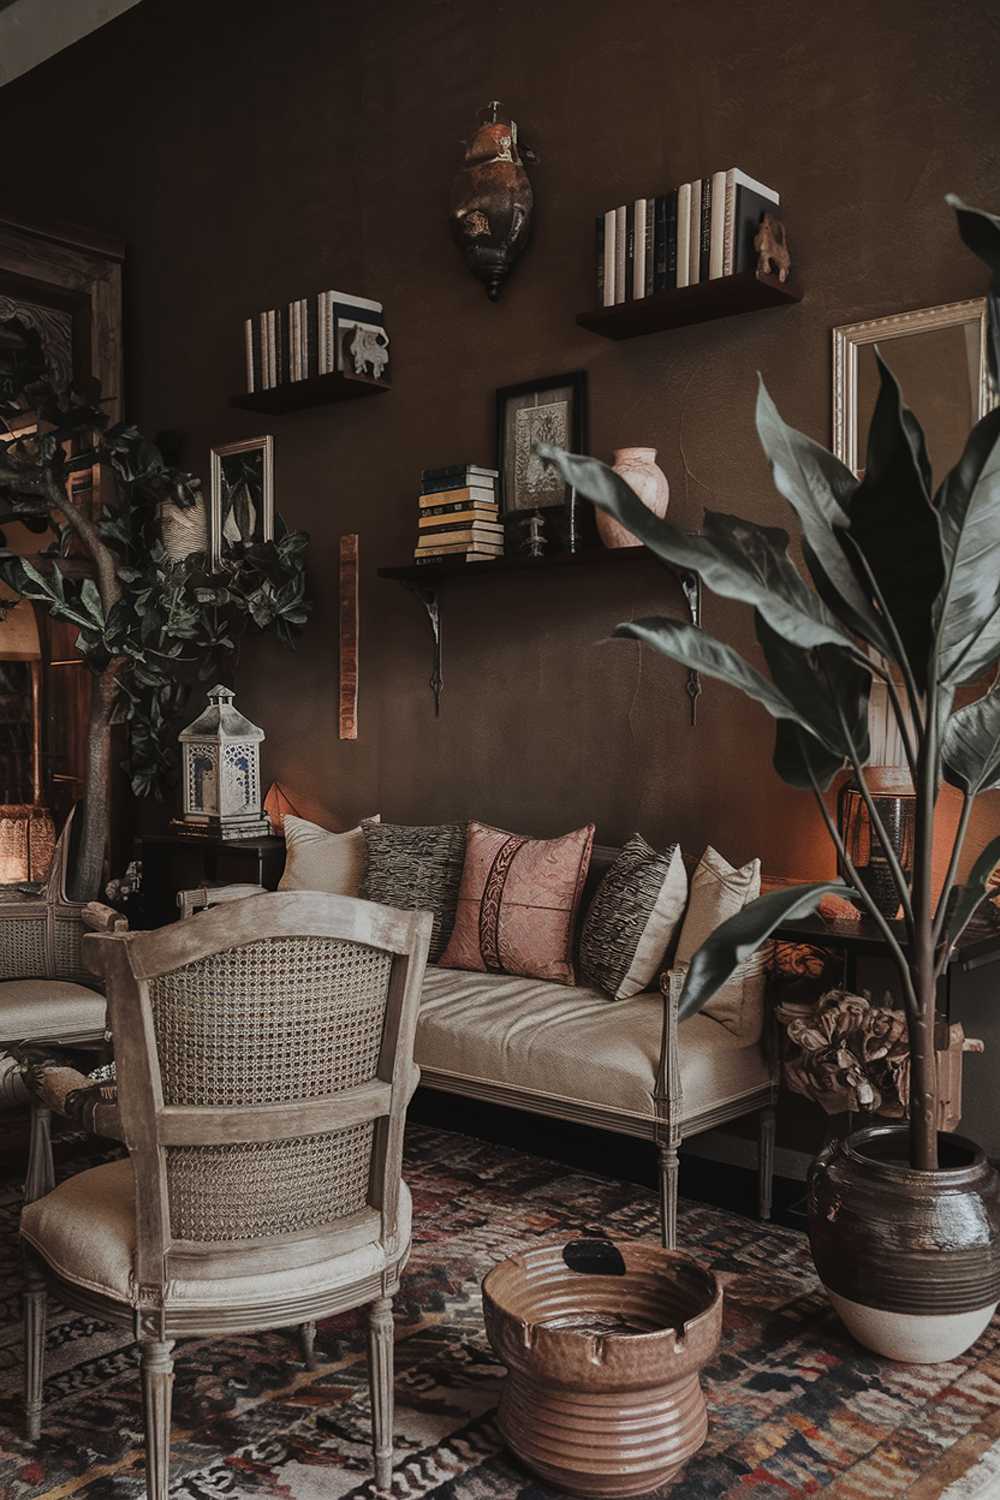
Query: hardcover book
(451, 549)
(661, 249)
(737, 180)
(609, 258)
(599, 257)
(694, 243)
(459, 510)
(683, 236)
(716, 251)
(704, 255)
(463, 493)
(620, 261)
(490, 535)
(629, 252)
(650, 208)
(637, 285)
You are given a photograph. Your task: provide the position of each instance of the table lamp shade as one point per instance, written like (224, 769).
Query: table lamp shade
(18, 632)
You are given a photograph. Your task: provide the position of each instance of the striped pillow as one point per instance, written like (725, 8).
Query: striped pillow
(417, 869)
(632, 919)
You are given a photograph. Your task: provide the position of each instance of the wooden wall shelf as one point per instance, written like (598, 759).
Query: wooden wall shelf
(318, 390)
(426, 580)
(725, 297)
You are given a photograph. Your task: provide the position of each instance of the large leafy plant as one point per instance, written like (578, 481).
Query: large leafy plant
(149, 627)
(903, 585)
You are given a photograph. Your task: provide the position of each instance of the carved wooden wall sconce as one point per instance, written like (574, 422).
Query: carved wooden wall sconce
(491, 200)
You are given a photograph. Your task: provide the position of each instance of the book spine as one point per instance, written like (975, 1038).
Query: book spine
(458, 510)
(248, 352)
(638, 282)
(433, 536)
(258, 351)
(684, 234)
(599, 257)
(717, 235)
(672, 239)
(303, 339)
(609, 258)
(282, 336)
(660, 248)
(705, 232)
(291, 313)
(694, 234)
(729, 225)
(650, 210)
(321, 333)
(629, 252)
(464, 492)
(620, 262)
(272, 348)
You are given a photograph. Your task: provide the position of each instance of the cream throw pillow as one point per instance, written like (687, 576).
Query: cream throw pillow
(718, 891)
(318, 860)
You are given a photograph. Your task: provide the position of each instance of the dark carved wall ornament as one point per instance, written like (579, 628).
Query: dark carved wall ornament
(491, 201)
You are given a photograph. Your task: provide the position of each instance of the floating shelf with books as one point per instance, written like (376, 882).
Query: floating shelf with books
(725, 297)
(426, 580)
(317, 390)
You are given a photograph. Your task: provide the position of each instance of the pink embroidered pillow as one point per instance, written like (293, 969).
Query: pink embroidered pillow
(517, 903)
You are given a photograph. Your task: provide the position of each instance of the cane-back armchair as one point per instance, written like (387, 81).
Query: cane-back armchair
(265, 1063)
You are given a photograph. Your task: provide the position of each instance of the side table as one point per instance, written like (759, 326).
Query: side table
(173, 862)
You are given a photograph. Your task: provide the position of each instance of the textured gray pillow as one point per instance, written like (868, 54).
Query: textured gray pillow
(632, 919)
(417, 869)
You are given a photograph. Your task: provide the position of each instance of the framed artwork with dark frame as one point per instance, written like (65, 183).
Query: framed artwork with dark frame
(550, 410)
(242, 495)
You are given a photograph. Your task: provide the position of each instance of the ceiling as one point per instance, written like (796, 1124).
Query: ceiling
(33, 30)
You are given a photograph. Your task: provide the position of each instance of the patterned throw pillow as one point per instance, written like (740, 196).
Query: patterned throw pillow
(517, 903)
(318, 860)
(416, 869)
(718, 891)
(632, 919)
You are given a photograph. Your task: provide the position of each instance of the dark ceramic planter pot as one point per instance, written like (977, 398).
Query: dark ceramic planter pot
(604, 1342)
(911, 1259)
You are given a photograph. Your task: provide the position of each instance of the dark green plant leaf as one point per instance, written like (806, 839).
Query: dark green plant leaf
(823, 685)
(735, 558)
(968, 504)
(693, 648)
(820, 489)
(980, 232)
(970, 746)
(895, 527)
(973, 893)
(738, 939)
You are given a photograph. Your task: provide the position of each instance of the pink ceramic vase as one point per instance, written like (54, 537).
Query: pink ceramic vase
(639, 469)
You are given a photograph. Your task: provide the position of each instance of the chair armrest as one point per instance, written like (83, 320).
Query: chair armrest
(204, 896)
(100, 918)
(70, 1093)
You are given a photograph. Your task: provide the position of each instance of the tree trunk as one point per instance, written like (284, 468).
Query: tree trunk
(86, 871)
(923, 1060)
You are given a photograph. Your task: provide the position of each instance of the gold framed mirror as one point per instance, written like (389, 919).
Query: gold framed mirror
(938, 355)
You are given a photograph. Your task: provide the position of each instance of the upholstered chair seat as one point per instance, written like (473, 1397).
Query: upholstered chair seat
(50, 1010)
(85, 1231)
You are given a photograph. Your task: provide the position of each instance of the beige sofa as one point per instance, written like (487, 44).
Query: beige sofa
(624, 1065)
(571, 1053)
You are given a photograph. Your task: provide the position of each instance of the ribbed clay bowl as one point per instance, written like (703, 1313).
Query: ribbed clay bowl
(603, 1341)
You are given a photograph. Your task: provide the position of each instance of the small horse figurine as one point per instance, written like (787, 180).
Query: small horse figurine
(771, 245)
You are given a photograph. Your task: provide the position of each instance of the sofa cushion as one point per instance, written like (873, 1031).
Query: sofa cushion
(718, 892)
(632, 920)
(318, 860)
(416, 869)
(85, 1230)
(517, 903)
(562, 1042)
(49, 1009)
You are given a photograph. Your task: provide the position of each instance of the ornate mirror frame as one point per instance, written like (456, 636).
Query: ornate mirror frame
(850, 338)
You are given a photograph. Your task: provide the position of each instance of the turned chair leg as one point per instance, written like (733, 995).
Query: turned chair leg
(765, 1162)
(41, 1176)
(307, 1337)
(380, 1376)
(34, 1301)
(157, 1390)
(669, 1170)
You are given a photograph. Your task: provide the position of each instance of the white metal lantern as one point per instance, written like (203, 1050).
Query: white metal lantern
(220, 769)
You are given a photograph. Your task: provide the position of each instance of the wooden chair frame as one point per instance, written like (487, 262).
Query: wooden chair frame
(128, 962)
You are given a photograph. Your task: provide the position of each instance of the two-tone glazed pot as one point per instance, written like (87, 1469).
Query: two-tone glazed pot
(910, 1259)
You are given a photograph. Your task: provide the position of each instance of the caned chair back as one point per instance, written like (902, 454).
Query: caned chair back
(40, 935)
(265, 1061)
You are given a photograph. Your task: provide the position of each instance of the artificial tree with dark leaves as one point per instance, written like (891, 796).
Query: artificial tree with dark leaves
(906, 588)
(149, 627)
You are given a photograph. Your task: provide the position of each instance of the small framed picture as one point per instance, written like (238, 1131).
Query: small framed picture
(242, 495)
(550, 410)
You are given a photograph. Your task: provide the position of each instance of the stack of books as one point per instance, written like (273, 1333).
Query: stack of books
(459, 515)
(697, 232)
(306, 338)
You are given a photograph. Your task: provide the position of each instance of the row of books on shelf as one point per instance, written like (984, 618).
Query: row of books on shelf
(307, 338)
(697, 232)
(459, 515)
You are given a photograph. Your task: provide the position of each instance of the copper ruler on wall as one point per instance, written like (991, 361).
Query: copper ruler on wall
(348, 714)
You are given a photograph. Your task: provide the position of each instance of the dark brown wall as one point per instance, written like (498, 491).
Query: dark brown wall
(250, 152)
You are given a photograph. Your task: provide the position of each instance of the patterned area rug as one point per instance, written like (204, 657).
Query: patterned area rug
(796, 1407)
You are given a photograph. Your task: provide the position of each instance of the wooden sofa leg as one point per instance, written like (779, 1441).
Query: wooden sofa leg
(40, 1177)
(765, 1161)
(669, 1168)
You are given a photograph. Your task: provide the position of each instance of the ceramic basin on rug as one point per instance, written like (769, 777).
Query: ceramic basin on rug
(795, 1406)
